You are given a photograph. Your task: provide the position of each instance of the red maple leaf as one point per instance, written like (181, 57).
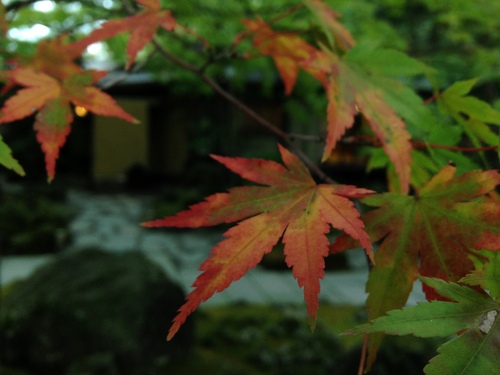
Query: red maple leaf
(430, 234)
(288, 50)
(142, 27)
(290, 205)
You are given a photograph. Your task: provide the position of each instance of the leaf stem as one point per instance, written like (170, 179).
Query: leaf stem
(363, 355)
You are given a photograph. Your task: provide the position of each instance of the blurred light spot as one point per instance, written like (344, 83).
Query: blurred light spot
(95, 48)
(29, 34)
(81, 111)
(108, 4)
(73, 7)
(44, 6)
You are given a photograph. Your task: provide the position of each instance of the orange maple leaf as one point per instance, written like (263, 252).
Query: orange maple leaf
(288, 51)
(291, 205)
(52, 98)
(142, 28)
(40, 88)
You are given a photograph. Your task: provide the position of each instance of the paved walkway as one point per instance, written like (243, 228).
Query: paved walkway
(111, 222)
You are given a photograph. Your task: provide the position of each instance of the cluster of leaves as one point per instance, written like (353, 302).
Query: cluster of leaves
(442, 230)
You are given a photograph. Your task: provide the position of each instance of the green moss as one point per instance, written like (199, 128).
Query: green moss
(91, 312)
(32, 224)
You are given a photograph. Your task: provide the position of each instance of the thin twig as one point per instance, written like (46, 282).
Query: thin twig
(373, 141)
(124, 75)
(307, 137)
(195, 35)
(432, 98)
(424, 145)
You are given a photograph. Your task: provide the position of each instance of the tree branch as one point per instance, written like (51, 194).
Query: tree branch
(200, 72)
(244, 108)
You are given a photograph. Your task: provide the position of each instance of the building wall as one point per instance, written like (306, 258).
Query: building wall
(117, 144)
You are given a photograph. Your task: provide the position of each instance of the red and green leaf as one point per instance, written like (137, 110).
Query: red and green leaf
(290, 205)
(350, 90)
(334, 29)
(52, 125)
(430, 234)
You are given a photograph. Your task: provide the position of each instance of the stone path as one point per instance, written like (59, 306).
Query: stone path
(111, 222)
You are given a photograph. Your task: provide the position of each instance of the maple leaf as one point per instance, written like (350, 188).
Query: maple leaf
(471, 113)
(288, 50)
(291, 205)
(334, 29)
(350, 90)
(40, 88)
(430, 233)
(474, 351)
(488, 276)
(52, 127)
(52, 98)
(142, 28)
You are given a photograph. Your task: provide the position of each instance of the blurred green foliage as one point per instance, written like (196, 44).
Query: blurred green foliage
(460, 37)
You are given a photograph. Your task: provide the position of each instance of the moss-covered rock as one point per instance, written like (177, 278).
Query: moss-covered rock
(92, 312)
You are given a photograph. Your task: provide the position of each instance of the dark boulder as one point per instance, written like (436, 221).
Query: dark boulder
(92, 312)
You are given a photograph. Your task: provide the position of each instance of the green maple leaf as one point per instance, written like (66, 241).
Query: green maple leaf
(471, 113)
(474, 351)
(488, 276)
(7, 160)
